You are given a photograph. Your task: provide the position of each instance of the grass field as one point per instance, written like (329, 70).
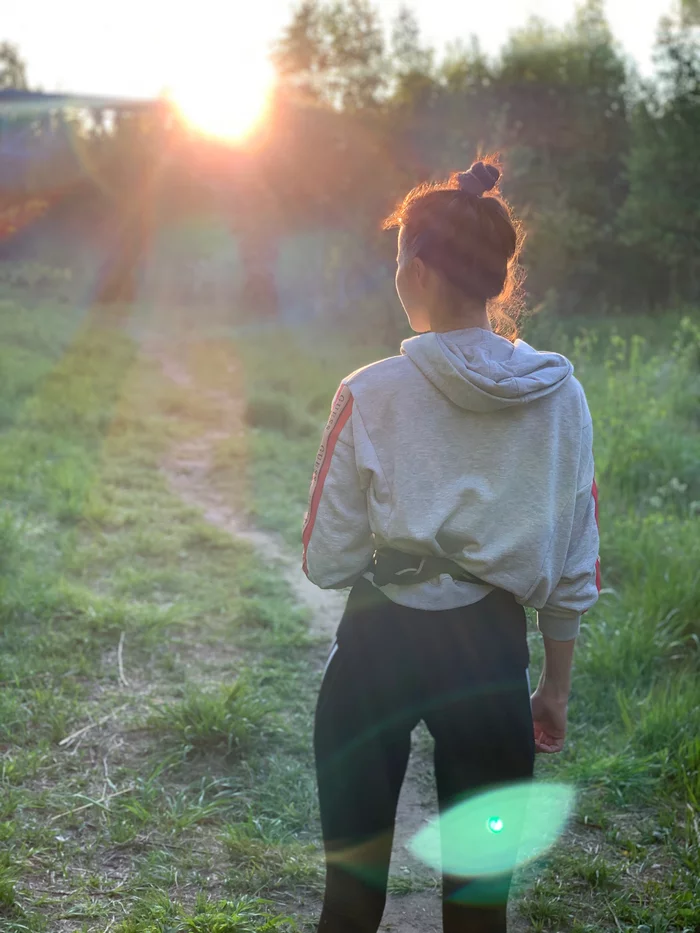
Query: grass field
(187, 804)
(190, 793)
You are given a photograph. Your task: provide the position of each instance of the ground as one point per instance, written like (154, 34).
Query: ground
(161, 648)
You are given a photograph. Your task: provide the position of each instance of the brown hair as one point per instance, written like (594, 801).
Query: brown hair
(465, 229)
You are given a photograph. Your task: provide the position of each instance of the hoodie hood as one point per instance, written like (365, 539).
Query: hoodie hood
(480, 371)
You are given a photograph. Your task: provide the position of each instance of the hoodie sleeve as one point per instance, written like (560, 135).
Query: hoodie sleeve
(337, 540)
(579, 585)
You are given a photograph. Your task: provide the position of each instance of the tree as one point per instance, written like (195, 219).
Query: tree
(13, 71)
(563, 124)
(409, 55)
(661, 216)
(689, 12)
(465, 68)
(334, 53)
(300, 57)
(413, 84)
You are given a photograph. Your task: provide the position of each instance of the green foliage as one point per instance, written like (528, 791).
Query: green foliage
(14, 918)
(278, 412)
(7, 887)
(596, 161)
(9, 544)
(265, 855)
(565, 134)
(660, 214)
(228, 719)
(57, 434)
(666, 723)
(334, 53)
(411, 58)
(245, 915)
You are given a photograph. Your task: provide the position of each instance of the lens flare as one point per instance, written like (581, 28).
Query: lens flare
(469, 841)
(495, 824)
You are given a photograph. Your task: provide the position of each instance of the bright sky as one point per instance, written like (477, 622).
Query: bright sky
(138, 47)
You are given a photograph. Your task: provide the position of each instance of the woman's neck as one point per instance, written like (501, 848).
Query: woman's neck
(463, 319)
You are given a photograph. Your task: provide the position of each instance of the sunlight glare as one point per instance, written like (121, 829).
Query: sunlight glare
(468, 840)
(228, 105)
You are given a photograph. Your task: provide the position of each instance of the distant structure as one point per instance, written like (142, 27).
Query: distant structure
(136, 206)
(92, 181)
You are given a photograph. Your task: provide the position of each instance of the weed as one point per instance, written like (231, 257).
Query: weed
(263, 861)
(7, 889)
(157, 914)
(228, 719)
(596, 872)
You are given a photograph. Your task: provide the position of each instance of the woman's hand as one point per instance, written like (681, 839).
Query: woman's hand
(550, 700)
(549, 719)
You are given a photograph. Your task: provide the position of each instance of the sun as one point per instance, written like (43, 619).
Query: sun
(228, 105)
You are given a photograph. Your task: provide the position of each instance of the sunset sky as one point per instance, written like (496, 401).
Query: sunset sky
(139, 47)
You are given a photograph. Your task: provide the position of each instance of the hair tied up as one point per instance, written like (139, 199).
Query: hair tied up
(480, 178)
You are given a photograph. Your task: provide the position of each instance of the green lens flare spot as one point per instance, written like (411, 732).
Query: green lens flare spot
(470, 840)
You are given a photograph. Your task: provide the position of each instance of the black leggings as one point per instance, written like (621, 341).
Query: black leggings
(461, 671)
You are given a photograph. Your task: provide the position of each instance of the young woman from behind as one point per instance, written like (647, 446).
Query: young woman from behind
(454, 486)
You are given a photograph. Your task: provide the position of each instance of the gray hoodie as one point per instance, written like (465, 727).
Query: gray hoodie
(467, 447)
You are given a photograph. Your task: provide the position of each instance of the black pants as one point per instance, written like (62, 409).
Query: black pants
(461, 671)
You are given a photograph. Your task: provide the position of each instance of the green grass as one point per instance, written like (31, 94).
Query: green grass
(126, 822)
(265, 856)
(188, 803)
(245, 915)
(227, 719)
(275, 411)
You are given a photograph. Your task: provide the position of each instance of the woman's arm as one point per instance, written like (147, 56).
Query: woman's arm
(560, 618)
(555, 680)
(338, 544)
(550, 700)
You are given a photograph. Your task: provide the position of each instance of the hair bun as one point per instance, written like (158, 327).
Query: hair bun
(481, 177)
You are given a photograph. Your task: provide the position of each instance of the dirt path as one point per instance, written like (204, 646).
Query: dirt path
(188, 469)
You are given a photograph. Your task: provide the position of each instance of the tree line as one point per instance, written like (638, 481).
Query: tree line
(600, 163)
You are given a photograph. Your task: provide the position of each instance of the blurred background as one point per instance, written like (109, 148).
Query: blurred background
(200, 160)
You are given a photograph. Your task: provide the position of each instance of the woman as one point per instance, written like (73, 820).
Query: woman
(454, 485)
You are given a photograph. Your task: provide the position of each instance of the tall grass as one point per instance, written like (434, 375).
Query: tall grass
(229, 718)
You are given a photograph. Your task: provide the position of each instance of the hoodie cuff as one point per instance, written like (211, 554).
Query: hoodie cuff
(558, 627)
